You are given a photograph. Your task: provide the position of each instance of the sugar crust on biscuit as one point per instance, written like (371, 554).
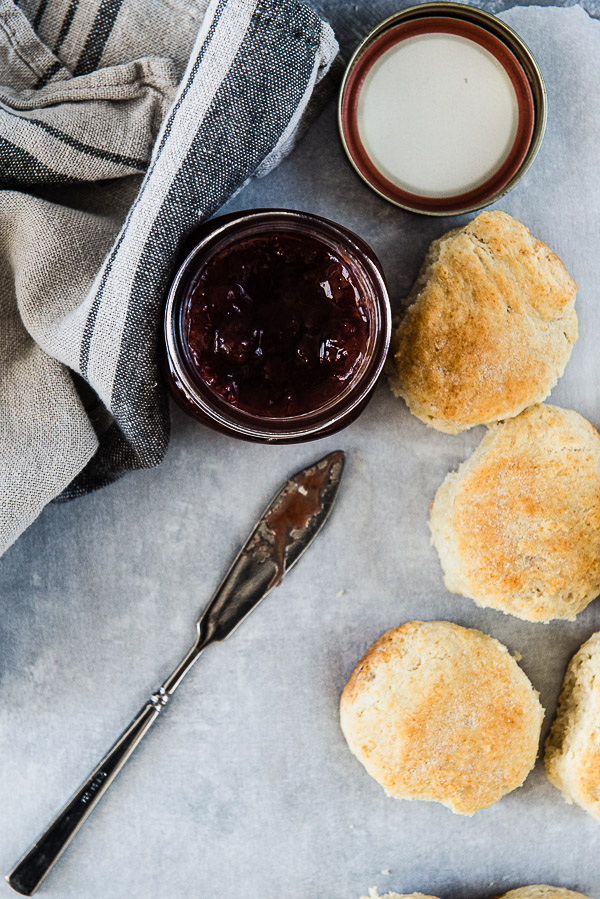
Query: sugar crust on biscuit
(535, 891)
(489, 329)
(443, 713)
(572, 755)
(542, 891)
(373, 894)
(517, 527)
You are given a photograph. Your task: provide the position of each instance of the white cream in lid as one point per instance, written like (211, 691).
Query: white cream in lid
(437, 114)
(437, 109)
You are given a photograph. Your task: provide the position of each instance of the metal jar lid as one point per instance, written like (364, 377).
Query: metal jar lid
(492, 35)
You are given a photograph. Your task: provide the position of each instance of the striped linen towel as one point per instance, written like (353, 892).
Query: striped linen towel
(123, 125)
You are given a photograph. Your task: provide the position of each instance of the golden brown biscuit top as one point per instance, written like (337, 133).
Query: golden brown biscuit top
(542, 891)
(373, 894)
(526, 515)
(440, 712)
(573, 744)
(491, 326)
(586, 773)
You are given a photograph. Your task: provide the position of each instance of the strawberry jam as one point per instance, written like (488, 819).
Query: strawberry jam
(275, 324)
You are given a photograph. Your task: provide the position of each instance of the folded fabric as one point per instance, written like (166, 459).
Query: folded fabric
(112, 150)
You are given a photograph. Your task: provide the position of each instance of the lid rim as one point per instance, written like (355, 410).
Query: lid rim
(516, 60)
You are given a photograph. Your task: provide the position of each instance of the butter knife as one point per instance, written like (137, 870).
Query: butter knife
(288, 526)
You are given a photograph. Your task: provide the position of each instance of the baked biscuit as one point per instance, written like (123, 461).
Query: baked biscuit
(573, 745)
(490, 327)
(439, 712)
(517, 527)
(373, 894)
(542, 891)
(536, 891)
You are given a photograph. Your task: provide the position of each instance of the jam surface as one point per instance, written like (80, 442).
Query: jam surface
(276, 325)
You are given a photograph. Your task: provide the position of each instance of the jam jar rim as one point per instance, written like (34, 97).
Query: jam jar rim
(310, 423)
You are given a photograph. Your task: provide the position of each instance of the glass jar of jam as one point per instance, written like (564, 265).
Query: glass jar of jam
(277, 326)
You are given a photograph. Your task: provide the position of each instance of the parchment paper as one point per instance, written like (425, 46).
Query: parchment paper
(246, 787)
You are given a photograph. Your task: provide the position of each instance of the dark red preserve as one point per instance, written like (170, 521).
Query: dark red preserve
(277, 326)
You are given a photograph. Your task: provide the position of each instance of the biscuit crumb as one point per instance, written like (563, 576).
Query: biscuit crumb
(443, 713)
(572, 755)
(517, 527)
(489, 329)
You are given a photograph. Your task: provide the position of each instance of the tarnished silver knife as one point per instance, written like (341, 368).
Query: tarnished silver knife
(289, 524)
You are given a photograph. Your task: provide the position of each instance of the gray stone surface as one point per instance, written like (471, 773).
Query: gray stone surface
(245, 787)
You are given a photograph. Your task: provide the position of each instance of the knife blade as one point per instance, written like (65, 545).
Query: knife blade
(281, 535)
(284, 531)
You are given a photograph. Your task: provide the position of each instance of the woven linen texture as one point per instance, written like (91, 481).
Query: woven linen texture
(123, 125)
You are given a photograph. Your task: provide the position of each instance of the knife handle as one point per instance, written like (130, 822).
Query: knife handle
(29, 872)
